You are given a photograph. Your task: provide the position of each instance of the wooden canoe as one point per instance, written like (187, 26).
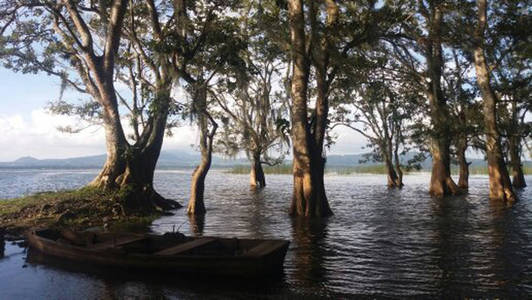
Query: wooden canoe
(172, 252)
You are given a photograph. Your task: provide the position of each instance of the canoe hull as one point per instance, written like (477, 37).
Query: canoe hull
(239, 265)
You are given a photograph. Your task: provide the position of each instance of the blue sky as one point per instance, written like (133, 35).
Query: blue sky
(28, 130)
(23, 93)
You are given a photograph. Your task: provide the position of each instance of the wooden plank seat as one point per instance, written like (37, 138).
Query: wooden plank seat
(263, 248)
(185, 246)
(117, 242)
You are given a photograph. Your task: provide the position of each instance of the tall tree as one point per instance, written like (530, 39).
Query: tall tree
(500, 184)
(204, 48)
(256, 121)
(379, 111)
(508, 48)
(207, 127)
(418, 45)
(309, 198)
(464, 110)
(78, 41)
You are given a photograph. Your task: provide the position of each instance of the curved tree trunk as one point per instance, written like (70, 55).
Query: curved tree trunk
(257, 178)
(500, 185)
(196, 204)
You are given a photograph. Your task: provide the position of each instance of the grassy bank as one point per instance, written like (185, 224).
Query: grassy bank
(483, 170)
(76, 209)
(279, 169)
(363, 169)
(287, 169)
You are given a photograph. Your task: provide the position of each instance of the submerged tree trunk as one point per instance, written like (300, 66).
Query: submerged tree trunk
(196, 203)
(499, 180)
(515, 161)
(257, 178)
(392, 175)
(514, 149)
(441, 183)
(463, 176)
(398, 170)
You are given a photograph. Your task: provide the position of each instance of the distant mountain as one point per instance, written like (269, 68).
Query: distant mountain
(182, 159)
(167, 159)
(76, 162)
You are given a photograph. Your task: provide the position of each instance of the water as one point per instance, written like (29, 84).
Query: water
(380, 242)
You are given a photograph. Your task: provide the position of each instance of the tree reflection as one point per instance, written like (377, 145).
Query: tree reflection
(509, 239)
(197, 223)
(2, 246)
(480, 247)
(308, 238)
(453, 243)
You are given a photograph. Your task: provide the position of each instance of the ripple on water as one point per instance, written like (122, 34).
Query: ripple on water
(379, 242)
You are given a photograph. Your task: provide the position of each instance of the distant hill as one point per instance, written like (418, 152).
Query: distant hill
(174, 159)
(182, 159)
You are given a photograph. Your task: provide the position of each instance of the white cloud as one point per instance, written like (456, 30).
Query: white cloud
(37, 136)
(348, 141)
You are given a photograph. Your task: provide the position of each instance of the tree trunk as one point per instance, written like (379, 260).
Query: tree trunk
(499, 180)
(515, 161)
(309, 197)
(399, 171)
(131, 168)
(128, 168)
(392, 175)
(196, 203)
(441, 183)
(463, 177)
(116, 144)
(514, 145)
(257, 178)
(141, 161)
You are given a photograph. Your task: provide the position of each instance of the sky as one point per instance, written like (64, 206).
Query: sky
(28, 130)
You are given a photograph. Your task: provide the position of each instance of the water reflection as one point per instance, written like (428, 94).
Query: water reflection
(510, 237)
(379, 243)
(453, 244)
(308, 237)
(197, 224)
(2, 246)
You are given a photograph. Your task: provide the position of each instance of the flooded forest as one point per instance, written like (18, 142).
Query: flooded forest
(428, 86)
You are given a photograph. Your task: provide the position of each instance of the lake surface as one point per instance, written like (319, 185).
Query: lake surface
(380, 242)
